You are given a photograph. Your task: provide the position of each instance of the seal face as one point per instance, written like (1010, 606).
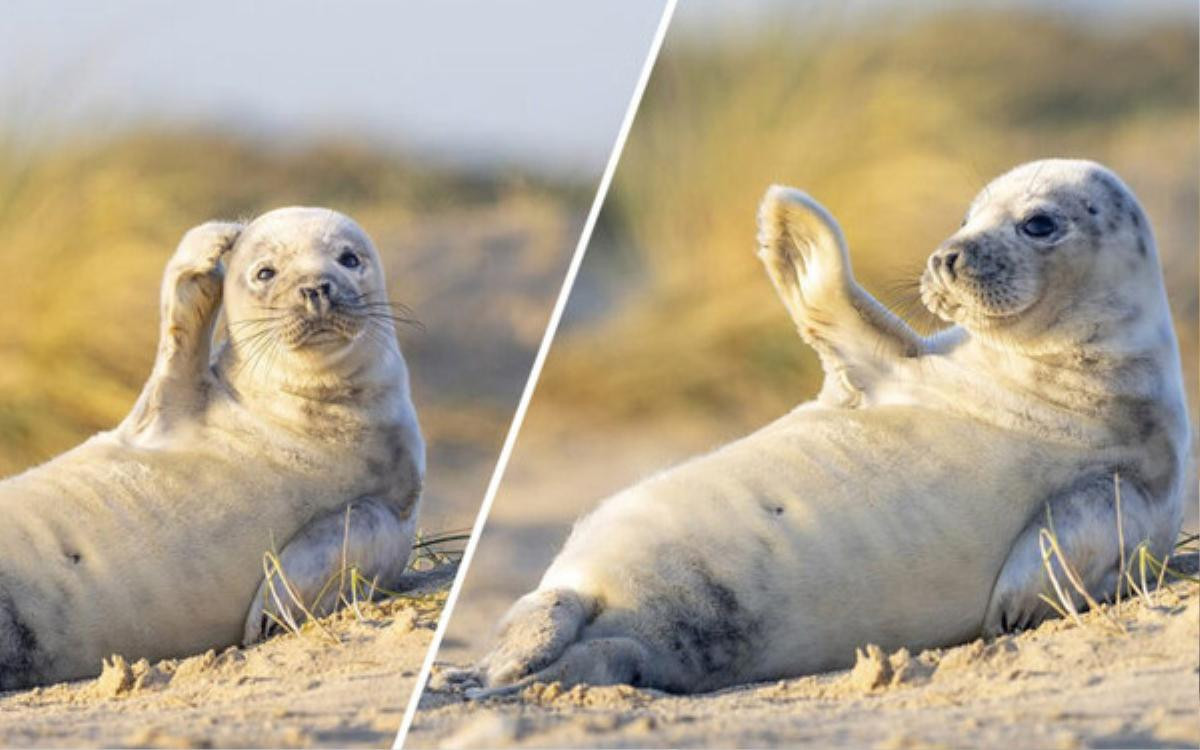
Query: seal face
(315, 271)
(903, 505)
(298, 430)
(1045, 232)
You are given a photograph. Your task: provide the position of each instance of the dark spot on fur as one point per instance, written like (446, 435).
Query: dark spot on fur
(18, 647)
(1091, 209)
(704, 624)
(1112, 191)
(1142, 247)
(1133, 216)
(1146, 423)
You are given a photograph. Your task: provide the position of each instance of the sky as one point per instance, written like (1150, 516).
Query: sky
(539, 84)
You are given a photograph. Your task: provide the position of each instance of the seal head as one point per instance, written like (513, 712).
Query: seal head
(306, 284)
(1038, 253)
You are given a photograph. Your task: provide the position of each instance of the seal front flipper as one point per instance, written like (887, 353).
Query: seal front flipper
(191, 297)
(316, 569)
(1083, 520)
(805, 255)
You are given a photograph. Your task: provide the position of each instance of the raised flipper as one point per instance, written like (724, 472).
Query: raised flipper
(857, 338)
(191, 295)
(368, 535)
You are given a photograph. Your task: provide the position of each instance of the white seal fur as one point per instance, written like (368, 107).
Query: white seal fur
(902, 506)
(298, 432)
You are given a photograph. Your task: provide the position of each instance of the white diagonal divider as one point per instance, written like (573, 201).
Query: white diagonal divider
(531, 384)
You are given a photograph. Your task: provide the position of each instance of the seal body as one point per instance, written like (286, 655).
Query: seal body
(903, 506)
(149, 540)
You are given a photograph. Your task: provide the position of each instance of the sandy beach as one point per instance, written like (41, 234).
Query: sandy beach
(342, 682)
(1061, 685)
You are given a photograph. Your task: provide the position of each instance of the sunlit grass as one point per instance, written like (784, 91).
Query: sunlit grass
(87, 225)
(894, 126)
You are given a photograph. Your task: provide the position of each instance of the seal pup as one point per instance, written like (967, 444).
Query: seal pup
(298, 430)
(902, 506)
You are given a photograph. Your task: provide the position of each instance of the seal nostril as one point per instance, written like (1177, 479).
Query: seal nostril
(317, 297)
(951, 259)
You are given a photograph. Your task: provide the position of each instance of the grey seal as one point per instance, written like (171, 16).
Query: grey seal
(295, 431)
(902, 506)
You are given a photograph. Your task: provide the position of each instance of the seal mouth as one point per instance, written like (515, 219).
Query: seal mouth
(305, 329)
(954, 304)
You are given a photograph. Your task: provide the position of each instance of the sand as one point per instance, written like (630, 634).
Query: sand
(1061, 685)
(345, 683)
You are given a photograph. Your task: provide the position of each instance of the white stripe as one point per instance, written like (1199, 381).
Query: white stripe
(555, 316)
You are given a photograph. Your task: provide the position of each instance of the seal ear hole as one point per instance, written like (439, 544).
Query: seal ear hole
(74, 557)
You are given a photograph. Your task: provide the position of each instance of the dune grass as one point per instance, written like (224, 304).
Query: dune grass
(894, 126)
(87, 225)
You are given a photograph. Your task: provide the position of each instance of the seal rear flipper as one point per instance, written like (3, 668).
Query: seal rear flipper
(620, 660)
(535, 632)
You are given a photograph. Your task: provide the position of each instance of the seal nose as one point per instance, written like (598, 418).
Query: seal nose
(317, 297)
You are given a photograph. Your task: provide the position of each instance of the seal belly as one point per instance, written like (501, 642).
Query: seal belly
(824, 531)
(112, 548)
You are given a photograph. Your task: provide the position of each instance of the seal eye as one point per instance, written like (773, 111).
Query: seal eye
(1039, 226)
(266, 273)
(349, 260)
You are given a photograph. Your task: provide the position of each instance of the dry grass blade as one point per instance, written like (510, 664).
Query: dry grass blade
(1120, 539)
(1049, 547)
(273, 569)
(1052, 552)
(441, 548)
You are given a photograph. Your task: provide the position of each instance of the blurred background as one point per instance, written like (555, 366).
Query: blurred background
(470, 151)
(894, 115)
